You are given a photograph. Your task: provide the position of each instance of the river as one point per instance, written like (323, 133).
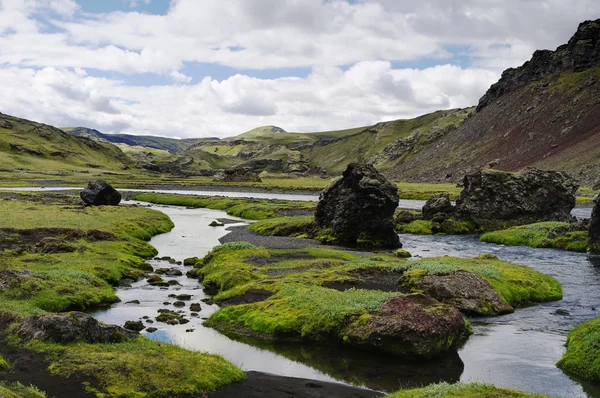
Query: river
(516, 351)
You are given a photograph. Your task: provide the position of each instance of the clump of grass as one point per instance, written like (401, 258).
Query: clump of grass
(543, 234)
(462, 390)
(582, 357)
(18, 390)
(428, 227)
(3, 364)
(140, 368)
(417, 227)
(250, 209)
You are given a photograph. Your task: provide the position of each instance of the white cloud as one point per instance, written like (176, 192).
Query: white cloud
(49, 48)
(327, 99)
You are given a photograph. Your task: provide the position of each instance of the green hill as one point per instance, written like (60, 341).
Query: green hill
(31, 146)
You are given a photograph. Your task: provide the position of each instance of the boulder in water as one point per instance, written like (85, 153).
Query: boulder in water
(358, 210)
(438, 206)
(100, 193)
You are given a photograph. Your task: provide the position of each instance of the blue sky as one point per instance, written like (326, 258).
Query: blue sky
(189, 68)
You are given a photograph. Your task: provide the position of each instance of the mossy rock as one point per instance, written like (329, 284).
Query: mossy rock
(402, 254)
(582, 357)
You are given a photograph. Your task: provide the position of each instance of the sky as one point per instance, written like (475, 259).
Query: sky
(218, 68)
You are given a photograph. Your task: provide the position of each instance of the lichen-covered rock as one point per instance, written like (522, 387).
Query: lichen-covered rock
(438, 205)
(594, 228)
(414, 325)
(237, 174)
(100, 193)
(504, 198)
(358, 209)
(465, 290)
(73, 326)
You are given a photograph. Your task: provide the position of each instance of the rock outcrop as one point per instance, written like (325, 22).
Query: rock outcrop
(594, 229)
(465, 290)
(413, 325)
(580, 53)
(438, 206)
(493, 197)
(358, 210)
(73, 326)
(100, 193)
(237, 174)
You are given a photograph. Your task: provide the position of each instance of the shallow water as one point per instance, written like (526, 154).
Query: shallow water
(517, 350)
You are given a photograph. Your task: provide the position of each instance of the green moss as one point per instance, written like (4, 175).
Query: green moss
(544, 234)
(3, 364)
(417, 227)
(284, 226)
(83, 278)
(428, 227)
(461, 390)
(402, 254)
(18, 390)
(251, 209)
(514, 283)
(582, 357)
(140, 368)
(302, 311)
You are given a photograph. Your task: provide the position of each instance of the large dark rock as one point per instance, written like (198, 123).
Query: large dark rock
(359, 208)
(465, 290)
(594, 229)
(73, 326)
(100, 193)
(502, 198)
(237, 174)
(413, 325)
(438, 205)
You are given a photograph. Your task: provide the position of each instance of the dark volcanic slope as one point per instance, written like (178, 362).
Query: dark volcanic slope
(545, 114)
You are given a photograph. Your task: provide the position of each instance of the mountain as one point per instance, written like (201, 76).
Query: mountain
(272, 149)
(27, 145)
(544, 114)
(171, 145)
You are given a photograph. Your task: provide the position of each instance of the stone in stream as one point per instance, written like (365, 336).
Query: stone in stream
(594, 229)
(358, 209)
(100, 193)
(438, 206)
(216, 224)
(179, 304)
(496, 198)
(151, 330)
(72, 326)
(195, 307)
(137, 326)
(184, 297)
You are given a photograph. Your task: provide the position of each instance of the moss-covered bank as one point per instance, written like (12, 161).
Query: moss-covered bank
(17, 390)
(462, 390)
(558, 235)
(56, 255)
(251, 209)
(582, 357)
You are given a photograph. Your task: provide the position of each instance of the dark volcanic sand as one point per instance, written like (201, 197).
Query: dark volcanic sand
(263, 385)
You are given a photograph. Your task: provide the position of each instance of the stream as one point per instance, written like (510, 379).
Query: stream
(516, 351)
